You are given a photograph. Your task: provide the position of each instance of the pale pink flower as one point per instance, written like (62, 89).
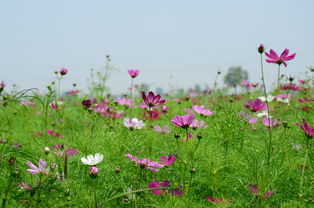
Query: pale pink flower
(198, 124)
(202, 110)
(270, 122)
(165, 129)
(42, 167)
(183, 121)
(145, 163)
(125, 101)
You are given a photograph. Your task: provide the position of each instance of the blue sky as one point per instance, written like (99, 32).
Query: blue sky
(185, 40)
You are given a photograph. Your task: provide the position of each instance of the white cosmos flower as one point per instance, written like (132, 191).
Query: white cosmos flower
(133, 123)
(283, 100)
(262, 114)
(270, 98)
(92, 160)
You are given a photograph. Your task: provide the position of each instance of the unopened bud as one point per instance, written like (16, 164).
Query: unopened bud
(117, 170)
(192, 170)
(261, 48)
(199, 136)
(177, 135)
(46, 150)
(93, 172)
(63, 71)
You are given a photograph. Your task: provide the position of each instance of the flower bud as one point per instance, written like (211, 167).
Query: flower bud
(46, 150)
(117, 170)
(177, 135)
(261, 49)
(93, 172)
(63, 71)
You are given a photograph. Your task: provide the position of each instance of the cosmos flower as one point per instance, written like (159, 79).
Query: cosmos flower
(93, 171)
(125, 101)
(167, 161)
(55, 134)
(309, 132)
(202, 110)
(270, 122)
(183, 121)
(198, 124)
(145, 163)
(165, 129)
(42, 167)
(255, 105)
(133, 123)
(164, 184)
(133, 72)
(92, 160)
(152, 100)
(270, 98)
(274, 58)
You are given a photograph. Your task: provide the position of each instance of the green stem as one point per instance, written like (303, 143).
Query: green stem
(267, 105)
(278, 78)
(302, 175)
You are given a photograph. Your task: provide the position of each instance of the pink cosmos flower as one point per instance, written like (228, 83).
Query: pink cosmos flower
(167, 161)
(151, 115)
(42, 168)
(151, 100)
(145, 163)
(183, 121)
(274, 58)
(63, 71)
(164, 109)
(24, 186)
(2, 85)
(29, 103)
(309, 132)
(255, 191)
(212, 199)
(164, 184)
(198, 124)
(165, 129)
(55, 134)
(125, 101)
(290, 86)
(270, 122)
(69, 153)
(202, 110)
(73, 92)
(133, 72)
(256, 105)
(188, 110)
(250, 85)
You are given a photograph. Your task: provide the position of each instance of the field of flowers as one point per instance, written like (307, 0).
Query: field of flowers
(184, 149)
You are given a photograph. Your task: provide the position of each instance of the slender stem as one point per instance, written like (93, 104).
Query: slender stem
(303, 167)
(131, 88)
(187, 134)
(278, 78)
(267, 106)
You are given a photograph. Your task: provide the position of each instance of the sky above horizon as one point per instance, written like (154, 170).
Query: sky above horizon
(181, 43)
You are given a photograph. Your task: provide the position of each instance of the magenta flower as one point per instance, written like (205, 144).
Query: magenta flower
(29, 103)
(183, 121)
(167, 161)
(274, 58)
(212, 199)
(255, 191)
(133, 72)
(256, 105)
(165, 184)
(309, 132)
(145, 163)
(202, 110)
(151, 100)
(249, 84)
(63, 71)
(70, 153)
(73, 92)
(55, 134)
(42, 168)
(270, 122)
(87, 103)
(290, 86)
